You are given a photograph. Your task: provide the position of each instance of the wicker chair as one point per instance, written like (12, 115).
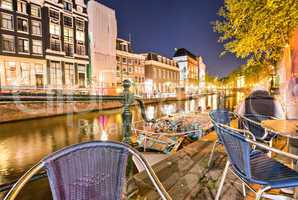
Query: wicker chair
(88, 171)
(253, 166)
(218, 116)
(252, 122)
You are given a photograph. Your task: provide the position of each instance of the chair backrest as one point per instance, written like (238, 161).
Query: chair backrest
(237, 148)
(220, 116)
(253, 124)
(92, 170)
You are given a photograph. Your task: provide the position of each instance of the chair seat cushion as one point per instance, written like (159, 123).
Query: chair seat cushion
(269, 172)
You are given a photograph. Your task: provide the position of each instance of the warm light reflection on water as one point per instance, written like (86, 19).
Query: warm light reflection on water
(24, 143)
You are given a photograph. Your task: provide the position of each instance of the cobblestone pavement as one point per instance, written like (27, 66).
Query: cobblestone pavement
(185, 175)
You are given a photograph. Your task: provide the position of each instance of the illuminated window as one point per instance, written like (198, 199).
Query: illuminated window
(55, 74)
(68, 35)
(11, 73)
(6, 21)
(25, 73)
(82, 75)
(80, 36)
(36, 28)
(35, 11)
(39, 77)
(68, 41)
(8, 43)
(6, 4)
(37, 46)
(22, 7)
(69, 74)
(38, 68)
(55, 29)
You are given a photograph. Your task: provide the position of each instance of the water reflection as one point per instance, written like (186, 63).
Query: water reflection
(150, 112)
(24, 143)
(168, 109)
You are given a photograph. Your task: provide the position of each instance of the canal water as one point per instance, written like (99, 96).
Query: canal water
(24, 143)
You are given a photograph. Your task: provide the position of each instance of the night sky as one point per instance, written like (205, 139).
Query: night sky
(163, 25)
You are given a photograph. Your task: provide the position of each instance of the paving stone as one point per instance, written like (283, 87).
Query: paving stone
(185, 175)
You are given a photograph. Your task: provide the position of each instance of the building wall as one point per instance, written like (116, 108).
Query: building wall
(193, 70)
(22, 73)
(202, 73)
(42, 50)
(189, 73)
(66, 44)
(22, 63)
(131, 67)
(161, 76)
(103, 34)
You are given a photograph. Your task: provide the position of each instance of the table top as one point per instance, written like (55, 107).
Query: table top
(286, 128)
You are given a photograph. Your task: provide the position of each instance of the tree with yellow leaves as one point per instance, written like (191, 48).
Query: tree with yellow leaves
(257, 30)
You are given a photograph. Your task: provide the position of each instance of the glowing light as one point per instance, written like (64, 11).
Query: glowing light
(104, 136)
(149, 86)
(169, 109)
(119, 90)
(150, 112)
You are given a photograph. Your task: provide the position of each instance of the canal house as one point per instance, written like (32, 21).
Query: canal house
(162, 75)
(22, 56)
(43, 45)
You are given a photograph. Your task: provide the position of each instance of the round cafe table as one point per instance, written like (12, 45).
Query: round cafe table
(284, 128)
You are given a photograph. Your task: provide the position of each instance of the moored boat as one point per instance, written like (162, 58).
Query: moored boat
(170, 133)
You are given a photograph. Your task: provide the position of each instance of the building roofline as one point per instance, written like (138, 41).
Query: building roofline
(111, 9)
(184, 52)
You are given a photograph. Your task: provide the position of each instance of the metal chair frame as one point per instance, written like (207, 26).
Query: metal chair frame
(218, 142)
(266, 132)
(257, 123)
(12, 194)
(261, 192)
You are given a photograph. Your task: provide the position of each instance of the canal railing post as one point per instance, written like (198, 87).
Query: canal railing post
(128, 99)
